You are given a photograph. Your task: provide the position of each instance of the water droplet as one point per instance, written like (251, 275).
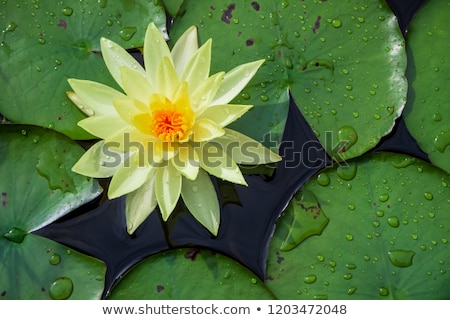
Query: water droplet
(428, 195)
(347, 172)
(351, 206)
(254, 281)
(348, 276)
(437, 117)
(393, 221)
(55, 259)
(348, 87)
(351, 290)
(61, 288)
(11, 27)
(336, 23)
(441, 141)
(194, 188)
(102, 3)
(320, 258)
(245, 96)
(41, 40)
(383, 291)
(310, 279)
(323, 179)
(320, 297)
(58, 62)
(127, 33)
(401, 258)
(383, 197)
(264, 97)
(366, 258)
(349, 237)
(67, 11)
(15, 235)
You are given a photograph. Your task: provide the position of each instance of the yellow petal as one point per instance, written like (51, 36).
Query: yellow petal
(203, 94)
(205, 130)
(129, 177)
(245, 150)
(99, 161)
(215, 161)
(103, 126)
(223, 115)
(167, 80)
(184, 49)
(155, 48)
(128, 109)
(200, 198)
(140, 204)
(93, 98)
(148, 149)
(235, 80)
(187, 161)
(197, 69)
(167, 189)
(117, 57)
(136, 85)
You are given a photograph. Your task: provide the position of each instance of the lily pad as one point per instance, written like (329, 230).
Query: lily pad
(387, 235)
(189, 274)
(38, 187)
(428, 107)
(344, 64)
(44, 43)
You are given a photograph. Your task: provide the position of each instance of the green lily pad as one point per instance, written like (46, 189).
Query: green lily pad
(38, 187)
(344, 64)
(172, 7)
(189, 274)
(428, 107)
(44, 43)
(387, 235)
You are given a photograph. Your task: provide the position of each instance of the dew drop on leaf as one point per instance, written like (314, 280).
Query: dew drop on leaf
(61, 288)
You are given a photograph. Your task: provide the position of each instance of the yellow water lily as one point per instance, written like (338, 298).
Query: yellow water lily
(167, 131)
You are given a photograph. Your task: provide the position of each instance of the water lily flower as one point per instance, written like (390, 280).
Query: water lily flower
(162, 136)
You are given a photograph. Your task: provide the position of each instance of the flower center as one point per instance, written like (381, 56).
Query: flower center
(171, 121)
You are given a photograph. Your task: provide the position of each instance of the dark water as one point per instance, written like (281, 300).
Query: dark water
(248, 214)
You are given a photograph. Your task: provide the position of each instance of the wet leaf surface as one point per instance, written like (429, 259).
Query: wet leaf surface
(190, 274)
(324, 52)
(37, 188)
(387, 235)
(44, 43)
(428, 108)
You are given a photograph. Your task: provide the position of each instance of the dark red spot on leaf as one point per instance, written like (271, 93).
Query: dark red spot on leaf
(316, 24)
(255, 5)
(4, 194)
(159, 288)
(228, 13)
(192, 254)
(3, 293)
(280, 259)
(213, 8)
(62, 23)
(249, 42)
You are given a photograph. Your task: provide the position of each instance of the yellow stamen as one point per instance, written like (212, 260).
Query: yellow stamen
(170, 121)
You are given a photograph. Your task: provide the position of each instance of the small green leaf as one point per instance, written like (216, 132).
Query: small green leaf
(387, 235)
(189, 274)
(428, 106)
